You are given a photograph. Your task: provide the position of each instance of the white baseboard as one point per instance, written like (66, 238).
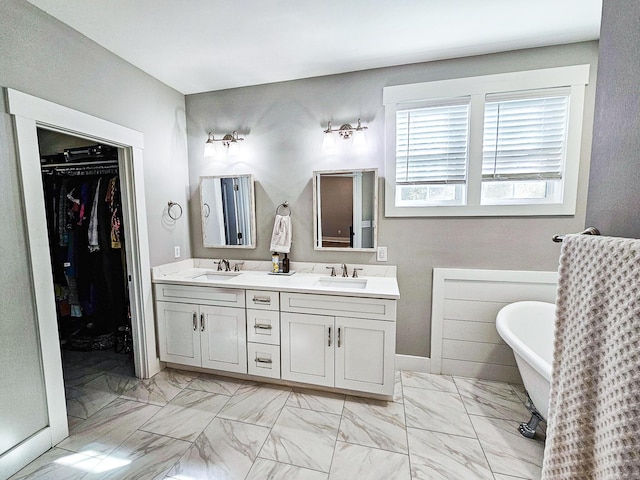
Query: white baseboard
(24, 453)
(413, 363)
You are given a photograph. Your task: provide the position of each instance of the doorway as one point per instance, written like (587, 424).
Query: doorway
(83, 206)
(30, 113)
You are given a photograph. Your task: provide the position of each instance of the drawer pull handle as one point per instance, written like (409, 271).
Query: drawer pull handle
(195, 321)
(263, 360)
(266, 300)
(262, 326)
(338, 337)
(202, 322)
(329, 338)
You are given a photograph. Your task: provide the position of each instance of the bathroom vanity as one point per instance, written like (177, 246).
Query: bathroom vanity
(307, 328)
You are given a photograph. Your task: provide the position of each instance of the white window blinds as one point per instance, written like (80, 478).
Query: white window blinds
(431, 143)
(525, 138)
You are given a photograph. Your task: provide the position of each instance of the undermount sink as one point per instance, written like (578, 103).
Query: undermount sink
(342, 282)
(216, 276)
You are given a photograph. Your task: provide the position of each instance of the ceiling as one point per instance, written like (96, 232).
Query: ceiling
(203, 45)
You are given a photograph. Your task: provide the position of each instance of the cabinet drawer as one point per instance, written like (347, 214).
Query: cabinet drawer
(226, 297)
(263, 300)
(358, 307)
(263, 326)
(263, 360)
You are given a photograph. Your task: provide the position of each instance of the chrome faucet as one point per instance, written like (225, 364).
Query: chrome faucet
(333, 271)
(237, 266)
(345, 272)
(227, 268)
(219, 265)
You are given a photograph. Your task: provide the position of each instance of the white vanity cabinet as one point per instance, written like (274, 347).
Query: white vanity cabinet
(343, 342)
(202, 326)
(308, 328)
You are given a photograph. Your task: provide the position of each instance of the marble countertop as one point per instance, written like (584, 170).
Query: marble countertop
(373, 281)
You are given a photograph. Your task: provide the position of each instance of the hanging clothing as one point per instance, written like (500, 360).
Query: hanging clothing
(94, 243)
(112, 198)
(84, 220)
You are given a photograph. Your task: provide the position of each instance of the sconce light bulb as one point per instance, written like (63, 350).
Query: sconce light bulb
(329, 142)
(209, 149)
(234, 148)
(359, 140)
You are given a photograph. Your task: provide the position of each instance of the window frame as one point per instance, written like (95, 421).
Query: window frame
(574, 77)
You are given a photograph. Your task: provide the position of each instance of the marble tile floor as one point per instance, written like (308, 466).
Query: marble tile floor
(188, 426)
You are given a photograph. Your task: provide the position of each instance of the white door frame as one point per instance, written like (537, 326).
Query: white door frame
(29, 113)
(357, 209)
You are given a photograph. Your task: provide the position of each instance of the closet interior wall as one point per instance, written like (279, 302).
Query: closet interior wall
(88, 262)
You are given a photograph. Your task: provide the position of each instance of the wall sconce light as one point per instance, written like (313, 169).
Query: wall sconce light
(230, 141)
(346, 131)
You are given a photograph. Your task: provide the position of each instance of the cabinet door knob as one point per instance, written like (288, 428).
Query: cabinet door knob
(329, 338)
(202, 322)
(195, 321)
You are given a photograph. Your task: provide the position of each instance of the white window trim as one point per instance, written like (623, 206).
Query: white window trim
(576, 77)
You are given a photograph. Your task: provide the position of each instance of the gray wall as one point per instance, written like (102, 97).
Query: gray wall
(43, 57)
(614, 183)
(283, 124)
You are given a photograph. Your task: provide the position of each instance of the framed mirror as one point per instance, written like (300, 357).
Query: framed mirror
(227, 205)
(345, 207)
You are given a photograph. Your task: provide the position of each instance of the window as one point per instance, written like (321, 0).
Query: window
(431, 153)
(505, 144)
(523, 147)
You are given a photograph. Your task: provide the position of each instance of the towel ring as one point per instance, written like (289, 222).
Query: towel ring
(284, 205)
(176, 213)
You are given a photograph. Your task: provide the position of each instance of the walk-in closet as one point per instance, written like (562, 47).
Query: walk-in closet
(82, 195)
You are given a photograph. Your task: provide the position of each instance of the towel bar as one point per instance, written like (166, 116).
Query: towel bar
(588, 231)
(284, 205)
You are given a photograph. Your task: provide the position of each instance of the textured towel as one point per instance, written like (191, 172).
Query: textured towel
(281, 236)
(593, 429)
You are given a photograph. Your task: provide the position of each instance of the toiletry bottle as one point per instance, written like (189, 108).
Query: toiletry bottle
(275, 260)
(285, 264)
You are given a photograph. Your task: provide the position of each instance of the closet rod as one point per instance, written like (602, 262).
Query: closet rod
(80, 164)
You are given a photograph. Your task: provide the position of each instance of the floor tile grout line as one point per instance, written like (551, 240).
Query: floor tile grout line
(406, 426)
(335, 443)
(484, 453)
(271, 430)
(192, 443)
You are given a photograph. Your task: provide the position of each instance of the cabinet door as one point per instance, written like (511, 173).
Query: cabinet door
(178, 333)
(224, 338)
(365, 355)
(307, 348)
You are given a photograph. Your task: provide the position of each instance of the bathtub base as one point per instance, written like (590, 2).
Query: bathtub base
(528, 429)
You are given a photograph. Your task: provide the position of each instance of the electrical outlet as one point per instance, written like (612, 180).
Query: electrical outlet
(381, 254)
(176, 252)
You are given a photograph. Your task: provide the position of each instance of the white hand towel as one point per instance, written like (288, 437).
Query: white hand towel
(281, 236)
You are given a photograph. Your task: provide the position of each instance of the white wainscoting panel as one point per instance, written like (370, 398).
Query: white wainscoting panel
(464, 339)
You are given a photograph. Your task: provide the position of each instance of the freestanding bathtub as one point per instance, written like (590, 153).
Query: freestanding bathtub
(527, 327)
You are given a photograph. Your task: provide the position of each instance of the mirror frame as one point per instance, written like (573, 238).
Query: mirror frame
(316, 209)
(252, 208)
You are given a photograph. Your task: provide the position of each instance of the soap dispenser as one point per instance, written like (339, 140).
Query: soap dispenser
(285, 264)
